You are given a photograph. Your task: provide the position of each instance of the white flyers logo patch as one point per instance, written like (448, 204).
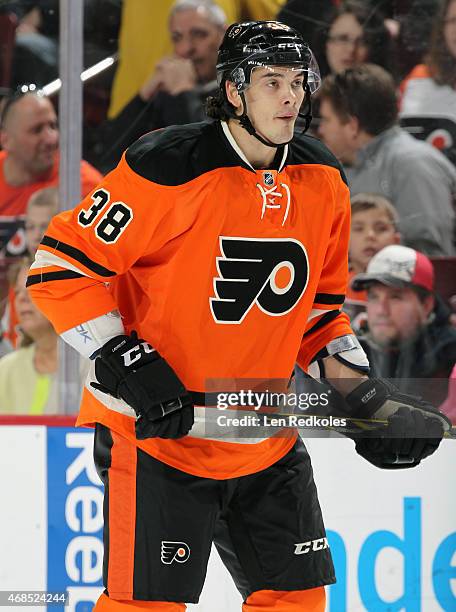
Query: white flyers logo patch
(270, 273)
(174, 551)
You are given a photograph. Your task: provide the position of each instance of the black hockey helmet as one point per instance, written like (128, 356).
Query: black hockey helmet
(253, 44)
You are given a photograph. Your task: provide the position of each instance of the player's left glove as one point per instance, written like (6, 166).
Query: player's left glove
(130, 369)
(414, 430)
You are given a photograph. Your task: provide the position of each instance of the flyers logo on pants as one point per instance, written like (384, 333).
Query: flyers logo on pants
(269, 273)
(174, 551)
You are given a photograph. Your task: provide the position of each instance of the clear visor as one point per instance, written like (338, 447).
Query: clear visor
(242, 73)
(290, 73)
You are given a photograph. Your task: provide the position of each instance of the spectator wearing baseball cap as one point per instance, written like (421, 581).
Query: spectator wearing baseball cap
(407, 334)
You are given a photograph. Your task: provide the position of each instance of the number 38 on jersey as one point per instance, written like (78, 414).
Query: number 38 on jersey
(114, 220)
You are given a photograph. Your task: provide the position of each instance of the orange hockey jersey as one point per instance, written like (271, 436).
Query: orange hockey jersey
(229, 272)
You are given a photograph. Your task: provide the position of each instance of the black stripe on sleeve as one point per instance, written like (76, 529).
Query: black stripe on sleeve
(329, 298)
(78, 255)
(325, 319)
(34, 279)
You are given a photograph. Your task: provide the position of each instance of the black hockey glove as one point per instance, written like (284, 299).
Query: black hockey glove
(414, 431)
(129, 368)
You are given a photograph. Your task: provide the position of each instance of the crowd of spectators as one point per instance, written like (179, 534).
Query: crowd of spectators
(386, 109)
(358, 109)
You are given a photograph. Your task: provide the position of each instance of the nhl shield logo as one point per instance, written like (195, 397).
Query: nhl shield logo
(268, 179)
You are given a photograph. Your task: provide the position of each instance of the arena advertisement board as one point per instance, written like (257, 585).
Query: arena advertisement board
(392, 535)
(75, 517)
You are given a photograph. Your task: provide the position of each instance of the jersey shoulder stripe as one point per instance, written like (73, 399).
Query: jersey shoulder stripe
(329, 298)
(306, 149)
(325, 320)
(180, 153)
(77, 255)
(43, 277)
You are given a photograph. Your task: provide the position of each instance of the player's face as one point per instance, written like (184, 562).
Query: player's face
(395, 314)
(274, 99)
(371, 231)
(337, 135)
(345, 46)
(31, 134)
(36, 223)
(449, 28)
(33, 323)
(196, 38)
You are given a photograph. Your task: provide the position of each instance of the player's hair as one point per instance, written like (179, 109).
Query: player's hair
(441, 64)
(374, 201)
(48, 196)
(215, 13)
(366, 92)
(218, 107)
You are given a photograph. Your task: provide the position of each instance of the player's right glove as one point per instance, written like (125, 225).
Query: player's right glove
(129, 368)
(414, 430)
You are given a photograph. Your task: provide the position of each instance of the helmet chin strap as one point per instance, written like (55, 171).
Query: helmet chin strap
(247, 124)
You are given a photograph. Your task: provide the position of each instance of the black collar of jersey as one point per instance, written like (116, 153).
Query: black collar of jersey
(181, 153)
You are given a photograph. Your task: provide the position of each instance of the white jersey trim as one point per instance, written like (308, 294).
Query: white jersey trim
(44, 259)
(317, 312)
(234, 144)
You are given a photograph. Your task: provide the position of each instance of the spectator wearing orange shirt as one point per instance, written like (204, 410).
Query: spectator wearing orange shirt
(29, 161)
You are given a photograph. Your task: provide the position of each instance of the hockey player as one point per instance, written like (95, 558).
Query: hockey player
(223, 246)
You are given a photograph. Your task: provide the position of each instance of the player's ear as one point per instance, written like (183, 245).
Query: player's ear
(233, 96)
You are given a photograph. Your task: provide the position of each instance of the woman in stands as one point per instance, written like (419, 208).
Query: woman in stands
(428, 104)
(354, 32)
(28, 382)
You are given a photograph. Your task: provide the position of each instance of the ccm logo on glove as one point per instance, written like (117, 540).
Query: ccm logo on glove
(135, 353)
(127, 367)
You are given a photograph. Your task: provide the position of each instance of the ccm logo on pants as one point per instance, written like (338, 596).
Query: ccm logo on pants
(313, 545)
(174, 551)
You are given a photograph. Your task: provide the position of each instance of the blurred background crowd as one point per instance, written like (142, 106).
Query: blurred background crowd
(386, 109)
